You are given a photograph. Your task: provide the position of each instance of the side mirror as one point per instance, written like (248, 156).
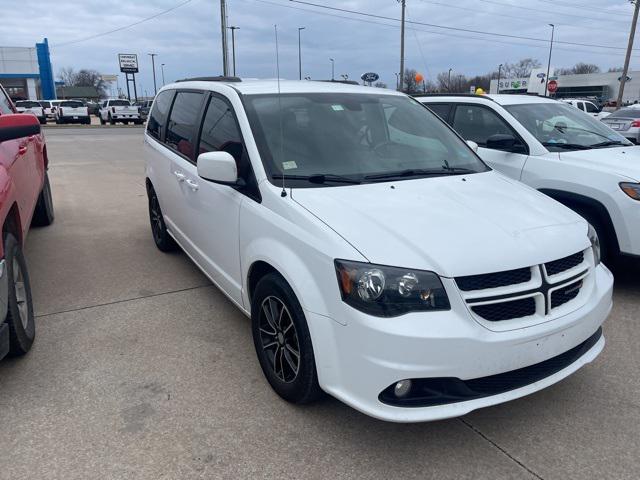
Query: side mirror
(18, 125)
(473, 145)
(219, 167)
(505, 142)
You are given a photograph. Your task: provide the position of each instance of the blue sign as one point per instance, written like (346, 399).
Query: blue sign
(370, 77)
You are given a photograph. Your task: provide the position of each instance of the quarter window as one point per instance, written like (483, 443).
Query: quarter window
(158, 116)
(182, 122)
(220, 133)
(477, 123)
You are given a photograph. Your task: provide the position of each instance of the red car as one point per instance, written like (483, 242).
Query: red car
(25, 198)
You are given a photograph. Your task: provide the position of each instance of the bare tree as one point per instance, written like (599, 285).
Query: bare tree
(83, 78)
(520, 69)
(67, 75)
(410, 83)
(615, 69)
(579, 69)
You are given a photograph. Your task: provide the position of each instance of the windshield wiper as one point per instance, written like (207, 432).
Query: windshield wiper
(417, 172)
(567, 146)
(318, 178)
(610, 143)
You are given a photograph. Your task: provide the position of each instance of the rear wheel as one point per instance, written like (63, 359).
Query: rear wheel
(20, 318)
(102, 122)
(111, 120)
(282, 341)
(161, 236)
(43, 214)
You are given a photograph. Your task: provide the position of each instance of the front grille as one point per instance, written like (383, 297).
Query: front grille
(494, 280)
(496, 312)
(565, 294)
(564, 264)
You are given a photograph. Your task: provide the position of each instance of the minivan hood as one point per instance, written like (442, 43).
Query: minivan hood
(453, 225)
(624, 161)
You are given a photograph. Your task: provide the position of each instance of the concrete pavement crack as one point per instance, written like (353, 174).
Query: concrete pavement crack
(123, 301)
(502, 450)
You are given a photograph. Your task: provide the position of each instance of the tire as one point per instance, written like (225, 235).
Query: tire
(42, 120)
(161, 237)
(126, 122)
(87, 121)
(58, 121)
(279, 330)
(138, 122)
(111, 120)
(43, 214)
(607, 244)
(20, 318)
(102, 122)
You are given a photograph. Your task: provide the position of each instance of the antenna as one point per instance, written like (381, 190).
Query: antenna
(284, 192)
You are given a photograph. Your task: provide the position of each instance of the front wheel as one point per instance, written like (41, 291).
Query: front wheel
(102, 122)
(282, 341)
(111, 120)
(20, 318)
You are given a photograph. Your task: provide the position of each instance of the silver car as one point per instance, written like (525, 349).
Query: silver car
(625, 121)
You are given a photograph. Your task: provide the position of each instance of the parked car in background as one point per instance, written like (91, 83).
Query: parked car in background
(114, 111)
(72, 111)
(557, 150)
(588, 107)
(25, 200)
(145, 107)
(625, 121)
(48, 107)
(380, 260)
(32, 107)
(94, 108)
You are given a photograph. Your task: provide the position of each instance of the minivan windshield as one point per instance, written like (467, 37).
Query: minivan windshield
(340, 138)
(561, 127)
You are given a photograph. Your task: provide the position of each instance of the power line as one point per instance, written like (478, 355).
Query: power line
(583, 7)
(502, 4)
(504, 35)
(91, 37)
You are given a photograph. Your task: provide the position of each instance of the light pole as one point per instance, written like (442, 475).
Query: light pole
(397, 81)
(333, 69)
(404, 7)
(625, 70)
(300, 53)
(499, 72)
(153, 66)
(223, 27)
(546, 80)
(162, 69)
(233, 47)
(449, 80)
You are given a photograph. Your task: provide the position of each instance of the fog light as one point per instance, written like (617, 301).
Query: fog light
(402, 388)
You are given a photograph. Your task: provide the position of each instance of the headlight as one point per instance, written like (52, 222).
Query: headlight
(595, 244)
(389, 291)
(631, 189)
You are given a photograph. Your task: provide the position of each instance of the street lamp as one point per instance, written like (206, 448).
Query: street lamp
(233, 47)
(499, 72)
(333, 69)
(153, 65)
(162, 69)
(449, 80)
(546, 83)
(397, 81)
(300, 53)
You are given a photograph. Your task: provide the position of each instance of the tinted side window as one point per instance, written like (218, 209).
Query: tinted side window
(220, 133)
(591, 108)
(181, 129)
(478, 123)
(440, 109)
(5, 103)
(158, 116)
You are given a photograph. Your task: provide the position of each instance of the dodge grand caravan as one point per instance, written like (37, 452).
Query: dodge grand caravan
(379, 259)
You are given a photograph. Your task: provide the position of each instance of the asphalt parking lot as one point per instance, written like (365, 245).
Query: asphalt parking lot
(142, 369)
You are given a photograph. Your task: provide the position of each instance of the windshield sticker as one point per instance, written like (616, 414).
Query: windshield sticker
(337, 108)
(289, 165)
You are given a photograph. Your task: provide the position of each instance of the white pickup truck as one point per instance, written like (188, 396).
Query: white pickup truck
(72, 111)
(588, 107)
(114, 111)
(34, 108)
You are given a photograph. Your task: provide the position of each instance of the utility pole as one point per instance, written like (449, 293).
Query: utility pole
(404, 7)
(546, 79)
(300, 53)
(397, 81)
(333, 69)
(233, 46)
(153, 65)
(162, 69)
(223, 26)
(449, 81)
(625, 71)
(499, 72)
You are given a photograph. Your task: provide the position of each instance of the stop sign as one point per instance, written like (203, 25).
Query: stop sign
(552, 86)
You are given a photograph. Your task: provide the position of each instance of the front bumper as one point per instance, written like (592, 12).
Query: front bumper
(358, 361)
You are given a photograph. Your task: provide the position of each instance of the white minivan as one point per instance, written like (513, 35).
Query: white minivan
(379, 259)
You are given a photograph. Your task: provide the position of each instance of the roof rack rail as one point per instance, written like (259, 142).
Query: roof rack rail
(219, 78)
(473, 95)
(346, 82)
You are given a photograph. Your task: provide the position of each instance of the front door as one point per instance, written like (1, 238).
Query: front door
(478, 123)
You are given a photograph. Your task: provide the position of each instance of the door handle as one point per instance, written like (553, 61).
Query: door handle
(180, 176)
(193, 185)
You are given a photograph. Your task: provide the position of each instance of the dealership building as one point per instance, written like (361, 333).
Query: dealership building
(26, 72)
(603, 86)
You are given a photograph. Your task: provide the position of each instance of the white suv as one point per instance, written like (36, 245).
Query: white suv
(380, 260)
(559, 151)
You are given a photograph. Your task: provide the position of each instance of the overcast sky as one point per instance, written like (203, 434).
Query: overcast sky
(187, 39)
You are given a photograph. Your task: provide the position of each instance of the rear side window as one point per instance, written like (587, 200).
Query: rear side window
(440, 109)
(5, 103)
(182, 122)
(220, 132)
(158, 116)
(591, 108)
